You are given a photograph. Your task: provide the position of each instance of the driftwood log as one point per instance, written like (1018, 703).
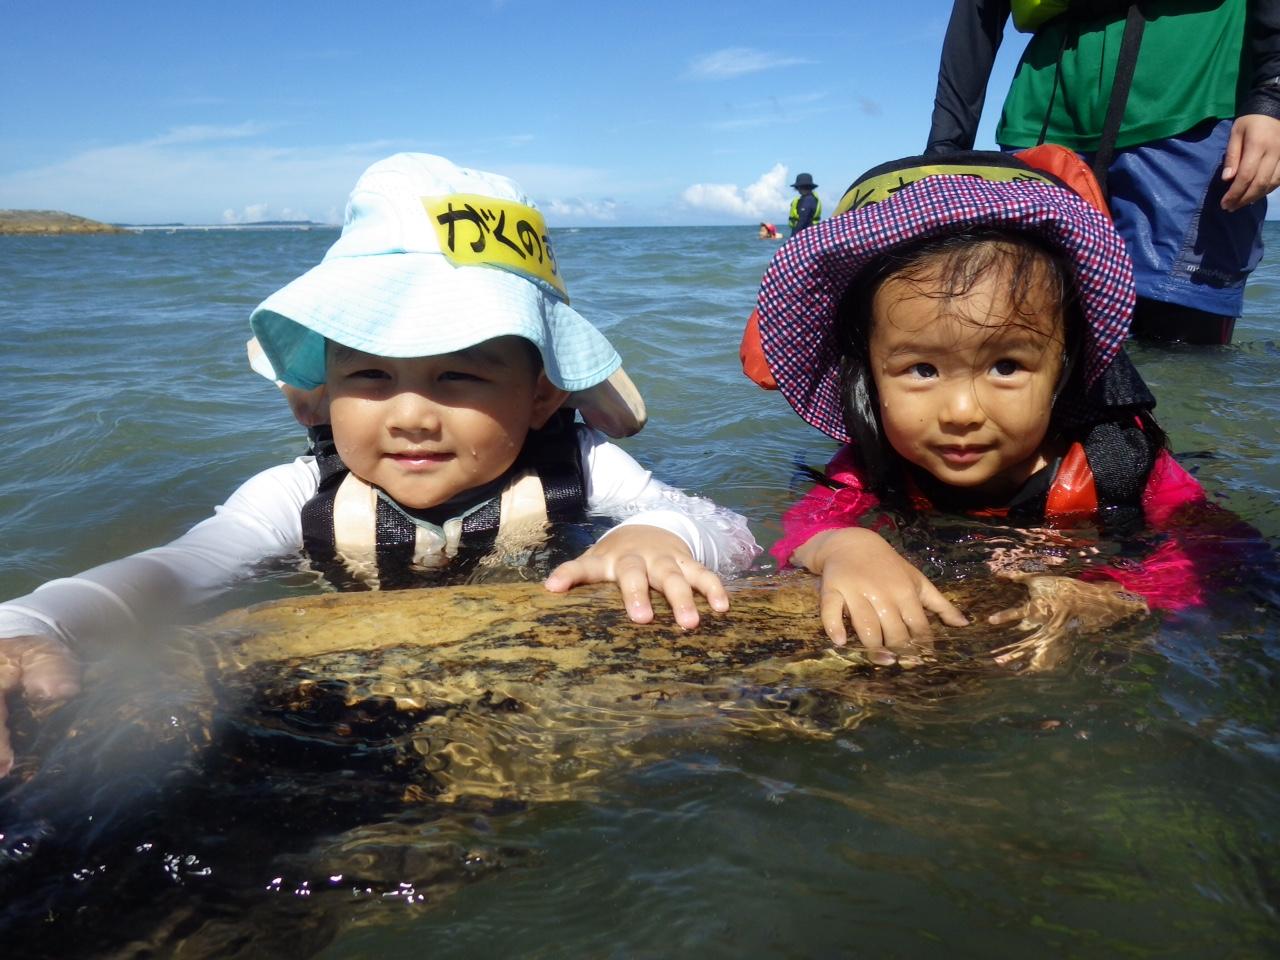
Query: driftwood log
(511, 692)
(356, 746)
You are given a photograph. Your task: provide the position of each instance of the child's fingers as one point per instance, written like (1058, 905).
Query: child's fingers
(677, 578)
(567, 575)
(44, 669)
(679, 594)
(632, 576)
(894, 614)
(1009, 615)
(591, 567)
(706, 583)
(831, 607)
(947, 611)
(869, 629)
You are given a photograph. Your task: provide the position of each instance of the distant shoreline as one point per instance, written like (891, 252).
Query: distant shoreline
(252, 225)
(56, 222)
(51, 222)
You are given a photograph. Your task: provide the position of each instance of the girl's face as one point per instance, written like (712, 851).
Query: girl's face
(966, 382)
(425, 429)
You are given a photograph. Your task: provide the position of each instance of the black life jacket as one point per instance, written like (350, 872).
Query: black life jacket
(359, 538)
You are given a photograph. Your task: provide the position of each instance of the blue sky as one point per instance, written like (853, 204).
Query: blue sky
(607, 114)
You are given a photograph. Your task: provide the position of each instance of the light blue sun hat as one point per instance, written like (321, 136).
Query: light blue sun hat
(435, 258)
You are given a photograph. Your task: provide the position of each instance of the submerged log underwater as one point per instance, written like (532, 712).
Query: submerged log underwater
(512, 692)
(361, 737)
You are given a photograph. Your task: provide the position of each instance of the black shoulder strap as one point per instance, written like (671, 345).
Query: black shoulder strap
(326, 453)
(317, 513)
(558, 461)
(553, 453)
(1126, 62)
(395, 536)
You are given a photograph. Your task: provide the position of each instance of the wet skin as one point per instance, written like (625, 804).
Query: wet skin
(966, 384)
(428, 428)
(425, 429)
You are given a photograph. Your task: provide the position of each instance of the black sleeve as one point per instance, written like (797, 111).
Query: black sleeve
(1262, 39)
(968, 53)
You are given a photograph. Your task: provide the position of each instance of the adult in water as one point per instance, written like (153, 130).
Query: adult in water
(806, 207)
(1196, 149)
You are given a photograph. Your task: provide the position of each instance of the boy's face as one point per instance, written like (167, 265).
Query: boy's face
(966, 383)
(425, 429)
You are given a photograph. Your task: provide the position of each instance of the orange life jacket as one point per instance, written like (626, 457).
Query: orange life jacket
(1073, 495)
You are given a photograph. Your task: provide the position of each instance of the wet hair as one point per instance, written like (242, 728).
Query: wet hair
(952, 265)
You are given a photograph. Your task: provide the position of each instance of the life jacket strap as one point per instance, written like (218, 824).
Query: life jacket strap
(351, 532)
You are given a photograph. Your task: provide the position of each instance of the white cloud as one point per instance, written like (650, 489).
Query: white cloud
(194, 175)
(736, 61)
(766, 198)
(258, 212)
(542, 180)
(206, 174)
(205, 133)
(773, 111)
(578, 209)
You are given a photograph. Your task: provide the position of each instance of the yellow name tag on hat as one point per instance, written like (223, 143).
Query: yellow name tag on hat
(874, 189)
(475, 230)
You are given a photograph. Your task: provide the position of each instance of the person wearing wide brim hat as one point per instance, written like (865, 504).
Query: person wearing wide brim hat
(439, 260)
(439, 326)
(395, 284)
(896, 327)
(806, 208)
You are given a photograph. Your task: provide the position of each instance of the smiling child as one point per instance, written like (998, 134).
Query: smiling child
(439, 327)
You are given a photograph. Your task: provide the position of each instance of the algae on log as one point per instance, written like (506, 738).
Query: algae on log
(33, 222)
(361, 737)
(508, 691)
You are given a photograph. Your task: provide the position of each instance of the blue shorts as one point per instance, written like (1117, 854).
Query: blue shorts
(1186, 249)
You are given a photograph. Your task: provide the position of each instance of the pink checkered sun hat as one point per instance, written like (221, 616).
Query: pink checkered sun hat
(912, 199)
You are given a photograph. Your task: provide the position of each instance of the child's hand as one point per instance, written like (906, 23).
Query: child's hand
(1057, 606)
(885, 597)
(636, 558)
(43, 669)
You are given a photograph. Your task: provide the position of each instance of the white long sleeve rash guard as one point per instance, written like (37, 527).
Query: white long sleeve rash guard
(262, 520)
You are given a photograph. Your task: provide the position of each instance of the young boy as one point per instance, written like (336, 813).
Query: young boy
(440, 329)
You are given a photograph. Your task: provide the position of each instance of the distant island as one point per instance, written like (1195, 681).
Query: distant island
(51, 221)
(243, 225)
(36, 222)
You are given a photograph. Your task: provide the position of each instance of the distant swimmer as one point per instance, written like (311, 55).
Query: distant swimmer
(769, 232)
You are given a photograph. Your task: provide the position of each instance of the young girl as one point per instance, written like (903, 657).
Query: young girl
(960, 326)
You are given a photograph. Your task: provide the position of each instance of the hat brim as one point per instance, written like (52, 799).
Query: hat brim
(614, 406)
(420, 305)
(801, 290)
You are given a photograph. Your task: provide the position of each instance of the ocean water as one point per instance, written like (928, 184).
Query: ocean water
(1123, 804)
